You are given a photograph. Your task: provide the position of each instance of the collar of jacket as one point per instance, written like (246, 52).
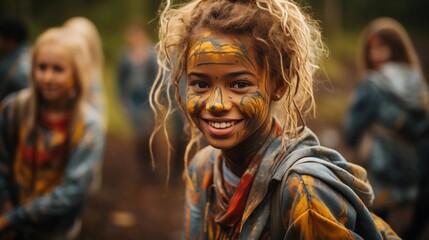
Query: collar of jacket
(273, 167)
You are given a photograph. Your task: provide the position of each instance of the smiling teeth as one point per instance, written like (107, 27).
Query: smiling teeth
(222, 124)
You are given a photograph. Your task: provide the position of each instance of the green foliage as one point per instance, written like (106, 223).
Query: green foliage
(341, 21)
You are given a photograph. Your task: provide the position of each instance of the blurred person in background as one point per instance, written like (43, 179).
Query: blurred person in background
(96, 96)
(15, 56)
(388, 119)
(137, 70)
(50, 142)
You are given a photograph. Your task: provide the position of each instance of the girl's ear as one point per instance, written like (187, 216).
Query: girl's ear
(280, 90)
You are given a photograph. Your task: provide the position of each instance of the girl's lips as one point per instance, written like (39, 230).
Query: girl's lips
(221, 128)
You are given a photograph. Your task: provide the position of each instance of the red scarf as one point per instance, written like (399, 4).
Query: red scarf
(228, 211)
(31, 152)
(232, 208)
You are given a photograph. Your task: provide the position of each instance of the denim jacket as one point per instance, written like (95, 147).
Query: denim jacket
(56, 211)
(320, 195)
(389, 123)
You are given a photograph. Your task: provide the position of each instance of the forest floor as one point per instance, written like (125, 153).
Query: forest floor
(133, 203)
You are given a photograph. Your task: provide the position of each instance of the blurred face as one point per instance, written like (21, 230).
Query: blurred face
(378, 52)
(228, 97)
(136, 37)
(53, 73)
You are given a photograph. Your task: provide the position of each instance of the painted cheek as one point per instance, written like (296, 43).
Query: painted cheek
(194, 103)
(254, 105)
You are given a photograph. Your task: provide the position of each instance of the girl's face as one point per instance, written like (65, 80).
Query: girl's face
(378, 52)
(227, 93)
(53, 73)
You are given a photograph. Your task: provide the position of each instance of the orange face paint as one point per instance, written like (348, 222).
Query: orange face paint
(227, 96)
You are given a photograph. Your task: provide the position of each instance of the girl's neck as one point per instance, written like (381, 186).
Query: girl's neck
(238, 158)
(56, 108)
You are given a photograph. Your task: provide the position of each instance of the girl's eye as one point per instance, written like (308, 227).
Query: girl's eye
(199, 85)
(240, 85)
(42, 67)
(58, 68)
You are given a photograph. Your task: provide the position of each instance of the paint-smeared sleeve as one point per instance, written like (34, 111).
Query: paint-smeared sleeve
(362, 111)
(70, 195)
(199, 173)
(313, 210)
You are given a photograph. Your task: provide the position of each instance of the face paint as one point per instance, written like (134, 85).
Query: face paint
(194, 101)
(215, 50)
(227, 95)
(215, 103)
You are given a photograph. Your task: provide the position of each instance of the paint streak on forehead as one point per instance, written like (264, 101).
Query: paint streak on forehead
(212, 50)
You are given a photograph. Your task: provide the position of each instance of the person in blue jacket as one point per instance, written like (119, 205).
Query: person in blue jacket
(388, 118)
(15, 52)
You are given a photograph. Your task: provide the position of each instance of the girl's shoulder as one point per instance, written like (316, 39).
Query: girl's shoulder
(17, 103)
(307, 161)
(90, 115)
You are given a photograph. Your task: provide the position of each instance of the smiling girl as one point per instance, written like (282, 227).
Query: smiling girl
(50, 141)
(249, 68)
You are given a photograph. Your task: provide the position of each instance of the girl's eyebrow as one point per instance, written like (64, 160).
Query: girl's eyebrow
(238, 73)
(198, 74)
(228, 75)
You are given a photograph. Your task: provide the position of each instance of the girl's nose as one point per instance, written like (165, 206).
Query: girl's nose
(47, 76)
(217, 102)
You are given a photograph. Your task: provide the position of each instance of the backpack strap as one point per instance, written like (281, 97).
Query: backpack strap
(277, 227)
(278, 230)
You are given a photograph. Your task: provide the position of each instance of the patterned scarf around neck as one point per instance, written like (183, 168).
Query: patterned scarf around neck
(227, 210)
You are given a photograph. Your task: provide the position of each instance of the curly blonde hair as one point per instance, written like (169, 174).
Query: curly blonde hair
(286, 40)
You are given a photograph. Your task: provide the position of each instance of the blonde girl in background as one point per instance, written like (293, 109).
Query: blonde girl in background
(248, 66)
(388, 119)
(87, 29)
(50, 141)
(96, 96)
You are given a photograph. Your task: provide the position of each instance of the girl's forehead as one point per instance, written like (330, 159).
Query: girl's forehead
(209, 45)
(206, 41)
(55, 52)
(53, 46)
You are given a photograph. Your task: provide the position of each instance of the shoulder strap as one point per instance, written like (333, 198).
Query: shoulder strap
(276, 221)
(278, 230)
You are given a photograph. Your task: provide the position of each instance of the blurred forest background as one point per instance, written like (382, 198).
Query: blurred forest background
(128, 208)
(341, 20)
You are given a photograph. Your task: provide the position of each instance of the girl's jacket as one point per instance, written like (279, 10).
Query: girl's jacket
(47, 197)
(307, 192)
(389, 122)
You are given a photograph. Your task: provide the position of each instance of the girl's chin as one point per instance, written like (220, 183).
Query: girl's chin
(222, 144)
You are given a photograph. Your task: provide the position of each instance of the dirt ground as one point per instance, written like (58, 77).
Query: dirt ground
(131, 204)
